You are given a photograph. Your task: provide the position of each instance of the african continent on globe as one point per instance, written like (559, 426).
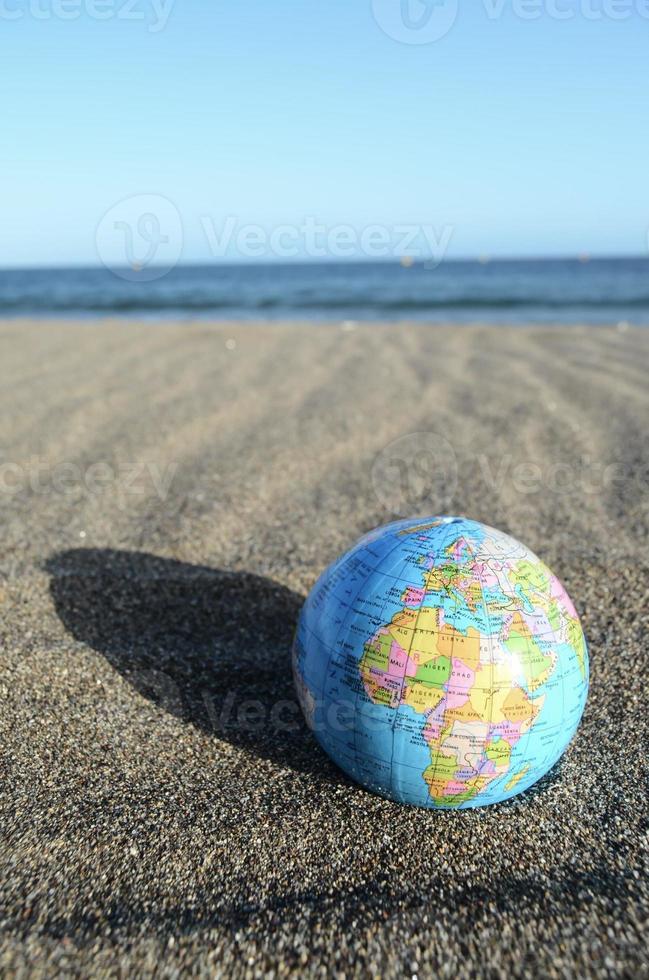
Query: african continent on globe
(441, 663)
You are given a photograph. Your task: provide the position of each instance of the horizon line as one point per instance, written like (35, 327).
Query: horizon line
(582, 258)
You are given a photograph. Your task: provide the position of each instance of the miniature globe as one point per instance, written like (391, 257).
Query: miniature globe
(440, 663)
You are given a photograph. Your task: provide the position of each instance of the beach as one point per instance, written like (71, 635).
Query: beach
(169, 493)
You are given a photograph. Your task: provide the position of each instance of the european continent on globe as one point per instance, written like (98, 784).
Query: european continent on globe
(441, 663)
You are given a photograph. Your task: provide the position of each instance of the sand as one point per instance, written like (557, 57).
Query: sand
(168, 495)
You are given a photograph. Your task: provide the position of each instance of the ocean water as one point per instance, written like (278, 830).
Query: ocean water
(599, 291)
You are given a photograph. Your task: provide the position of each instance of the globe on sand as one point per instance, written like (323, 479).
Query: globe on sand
(440, 663)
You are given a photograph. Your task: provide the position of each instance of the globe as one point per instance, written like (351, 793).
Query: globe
(441, 664)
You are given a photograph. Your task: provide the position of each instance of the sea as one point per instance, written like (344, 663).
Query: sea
(593, 291)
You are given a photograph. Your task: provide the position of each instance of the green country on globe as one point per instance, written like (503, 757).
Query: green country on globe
(441, 664)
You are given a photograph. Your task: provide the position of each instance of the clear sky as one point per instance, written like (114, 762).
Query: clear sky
(523, 132)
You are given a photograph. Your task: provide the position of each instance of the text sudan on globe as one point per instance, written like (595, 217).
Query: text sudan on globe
(441, 663)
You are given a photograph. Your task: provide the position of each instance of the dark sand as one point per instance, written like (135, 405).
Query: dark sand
(147, 824)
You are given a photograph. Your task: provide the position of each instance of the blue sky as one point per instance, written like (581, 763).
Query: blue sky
(524, 136)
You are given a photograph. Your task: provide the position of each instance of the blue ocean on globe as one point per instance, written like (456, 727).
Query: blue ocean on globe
(441, 664)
